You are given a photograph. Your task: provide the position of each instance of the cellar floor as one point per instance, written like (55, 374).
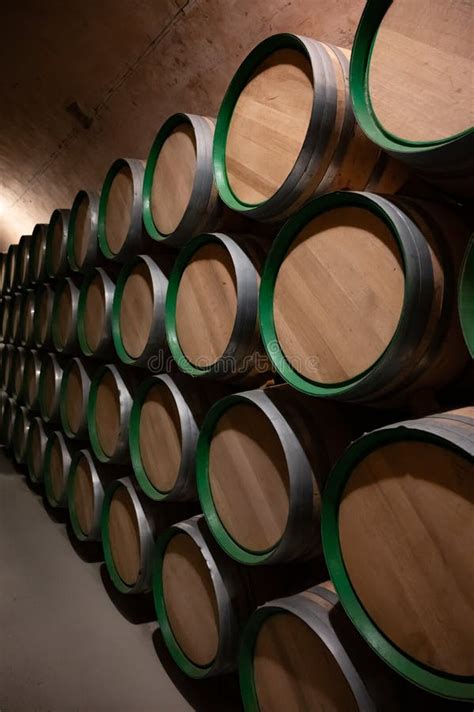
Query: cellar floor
(68, 641)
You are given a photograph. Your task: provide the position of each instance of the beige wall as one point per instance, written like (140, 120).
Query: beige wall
(128, 64)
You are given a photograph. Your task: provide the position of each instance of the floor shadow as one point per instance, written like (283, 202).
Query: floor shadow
(136, 608)
(211, 695)
(35, 487)
(58, 515)
(89, 551)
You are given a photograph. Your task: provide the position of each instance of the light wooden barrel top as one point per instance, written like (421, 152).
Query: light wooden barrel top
(190, 600)
(107, 414)
(94, 313)
(44, 314)
(339, 295)
(249, 478)
(74, 400)
(84, 504)
(136, 310)
(294, 670)
(56, 470)
(82, 231)
(406, 523)
(49, 386)
(268, 126)
(57, 244)
(173, 178)
(124, 536)
(36, 449)
(64, 315)
(119, 209)
(160, 437)
(206, 305)
(422, 68)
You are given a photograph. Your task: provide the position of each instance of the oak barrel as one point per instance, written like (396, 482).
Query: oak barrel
(64, 316)
(43, 315)
(23, 257)
(411, 86)
(262, 461)
(36, 442)
(179, 195)
(36, 260)
(20, 431)
(49, 387)
(17, 374)
(212, 308)
(120, 231)
(74, 396)
(3, 257)
(357, 297)
(398, 536)
(10, 269)
(82, 245)
(25, 333)
(57, 464)
(56, 265)
(31, 376)
(286, 131)
(94, 326)
(8, 418)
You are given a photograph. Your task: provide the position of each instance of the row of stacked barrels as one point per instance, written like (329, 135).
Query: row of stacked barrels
(244, 325)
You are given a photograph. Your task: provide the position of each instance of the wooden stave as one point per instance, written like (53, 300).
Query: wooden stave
(234, 600)
(63, 215)
(292, 422)
(86, 372)
(447, 163)
(72, 342)
(440, 429)
(105, 348)
(57, 364)
(44, 435)
(66, 453)
(466, 297)
(245, 338)
(46, 289)
(135, 240)
(36, 357)
(157, 346)
(93, 254)
(204, 204)
(21, 427)
(370, 386)
(36, 273)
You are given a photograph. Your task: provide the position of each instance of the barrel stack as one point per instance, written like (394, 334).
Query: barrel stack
(243, 368)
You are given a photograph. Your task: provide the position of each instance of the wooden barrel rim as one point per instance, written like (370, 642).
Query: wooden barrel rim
(125, 401)
(466, 297)
(416, 305)
(202, 190)
(36, 427)
(36, 263)
(60, 343)
(20, 433)
(42, 333)
(55, 375)
(76, 365)
(247, 303)
(27, 318)
(319, 622)
(145, 536)
(32, 361)
(56, 438)
(98, 495)
(429, 430)
(108, 290)
(293, 540)
(56, 265)
(92, 214)
(23, 258)
(135, 228)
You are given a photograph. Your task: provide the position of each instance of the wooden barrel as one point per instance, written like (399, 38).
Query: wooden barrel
(8, 419)
(466, 297)
(129, 525)
(138, 314)
(410, 82)
(180, 199)
(31, 377)
(23, 257)
(25, 333)
(356, 300)
(286, 131)
(64, 316)
(108, 412)
(201, 598)
(8, 354)
(5, 323)
(20, 431)
(74, 396)
(94, 326)
(398, 534)
(10, 269)
(43, 316)
(36, 260)
(56, 264)
(57, 464)
(17, 374)
(36, 442)
(212, 308)
(87, 482)
(82, 247)
(49, 387)
(15, 317)
(120, 231)
(261, 464)
(166, 416)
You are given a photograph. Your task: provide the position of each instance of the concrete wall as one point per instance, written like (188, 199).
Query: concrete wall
(86, 81)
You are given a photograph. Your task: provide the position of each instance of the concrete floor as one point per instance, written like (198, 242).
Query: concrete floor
(68, 640)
